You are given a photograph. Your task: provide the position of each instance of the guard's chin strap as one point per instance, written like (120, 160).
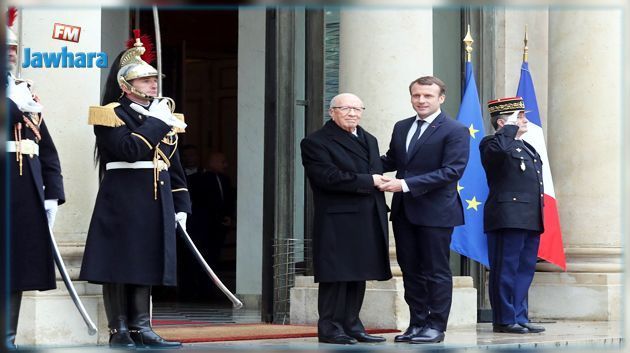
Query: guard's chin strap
(134, 91)
(139, 94)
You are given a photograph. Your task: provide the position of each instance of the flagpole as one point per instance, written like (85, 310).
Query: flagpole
(525, 48)
(468, 40)
(469, 239)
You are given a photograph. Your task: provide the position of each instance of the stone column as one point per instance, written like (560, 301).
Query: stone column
(251, 102)
(380, 53)
(510, 31)
(584, 144)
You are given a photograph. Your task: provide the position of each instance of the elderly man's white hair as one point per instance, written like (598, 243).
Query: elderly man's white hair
(333, 101)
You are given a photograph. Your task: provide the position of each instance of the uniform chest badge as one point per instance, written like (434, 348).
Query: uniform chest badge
(522, 166)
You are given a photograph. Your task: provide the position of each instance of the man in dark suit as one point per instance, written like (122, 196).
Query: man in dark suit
(350, 243)
(429, 153)
(513, 214)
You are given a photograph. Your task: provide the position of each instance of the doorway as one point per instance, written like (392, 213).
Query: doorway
(199, 53)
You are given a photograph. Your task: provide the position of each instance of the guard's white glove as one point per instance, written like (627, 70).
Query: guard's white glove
(512, 119)
(51, 207)
(160, 110)
(180, 217)
(21, 95)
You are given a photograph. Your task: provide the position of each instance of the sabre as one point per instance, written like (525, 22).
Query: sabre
(158, 47)
(19, 49)
(68, 282)
(237, 304)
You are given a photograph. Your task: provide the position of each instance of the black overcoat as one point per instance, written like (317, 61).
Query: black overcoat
(131, 238)
(515, 182)
(32, 266)
(350, 235)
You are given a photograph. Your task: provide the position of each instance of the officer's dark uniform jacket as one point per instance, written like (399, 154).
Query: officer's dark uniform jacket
(131, 238)
(515, 180)
(34, 179)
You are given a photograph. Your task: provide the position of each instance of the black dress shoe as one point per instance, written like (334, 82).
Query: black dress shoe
(428, 335)
(364, 337)
(532, 328)
(121, 340)
(412, 331)
(339, 339)
(11, 346)
(509, 328)
(150, 339)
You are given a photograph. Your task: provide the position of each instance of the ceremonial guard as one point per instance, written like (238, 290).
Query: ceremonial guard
(131, 243)
(36, 189)
(513, 215)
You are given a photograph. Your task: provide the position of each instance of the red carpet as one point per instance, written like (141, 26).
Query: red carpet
(239, 332)
(176, 322)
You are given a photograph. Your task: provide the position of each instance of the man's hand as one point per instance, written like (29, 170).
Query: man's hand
(160, 110)
(512, 119)
(380, 179)
(51, 207)
(180, 217)
(21, 95)
(393, 185)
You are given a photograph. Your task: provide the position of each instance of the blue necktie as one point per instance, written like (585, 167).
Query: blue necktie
(414, 138)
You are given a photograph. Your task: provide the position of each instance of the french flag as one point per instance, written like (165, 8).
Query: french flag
(550, 248)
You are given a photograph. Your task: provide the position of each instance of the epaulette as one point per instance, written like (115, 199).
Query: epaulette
(105, 115)
(179, 116)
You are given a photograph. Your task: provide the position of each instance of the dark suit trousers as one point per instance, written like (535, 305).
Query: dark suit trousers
(512, 254)
(339, 304)
(423, 255)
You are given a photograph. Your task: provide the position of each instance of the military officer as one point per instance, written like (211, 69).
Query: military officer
(131, 242)
(36, 184)
(513, 215)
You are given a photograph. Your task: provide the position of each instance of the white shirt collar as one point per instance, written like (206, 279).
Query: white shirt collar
(429, 119)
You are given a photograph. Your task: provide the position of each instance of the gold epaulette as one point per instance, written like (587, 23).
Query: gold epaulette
(179, 116)
(105, 115)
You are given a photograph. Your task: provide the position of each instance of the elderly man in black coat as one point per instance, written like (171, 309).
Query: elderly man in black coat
(350, 240)
(513, 215)
(36, 183)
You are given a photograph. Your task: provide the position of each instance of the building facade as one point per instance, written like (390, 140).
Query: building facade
(260, 81)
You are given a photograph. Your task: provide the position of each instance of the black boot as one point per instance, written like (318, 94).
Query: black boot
(15, 300)
(140, 320)
(115, 299)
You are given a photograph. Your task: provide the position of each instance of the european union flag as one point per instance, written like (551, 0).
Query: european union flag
(469, 239)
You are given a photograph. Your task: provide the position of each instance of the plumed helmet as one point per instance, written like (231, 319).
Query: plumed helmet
(12, 38)
(134, 62)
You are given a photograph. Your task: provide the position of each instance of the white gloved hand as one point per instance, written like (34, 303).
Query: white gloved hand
(51, 207)
(180, 217)
(512, 119)
(21, 95)
(160, 110)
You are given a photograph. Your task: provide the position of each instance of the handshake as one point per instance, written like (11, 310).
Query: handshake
(160, 110)
(385, 183)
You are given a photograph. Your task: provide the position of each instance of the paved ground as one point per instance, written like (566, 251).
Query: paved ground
(571, 336)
